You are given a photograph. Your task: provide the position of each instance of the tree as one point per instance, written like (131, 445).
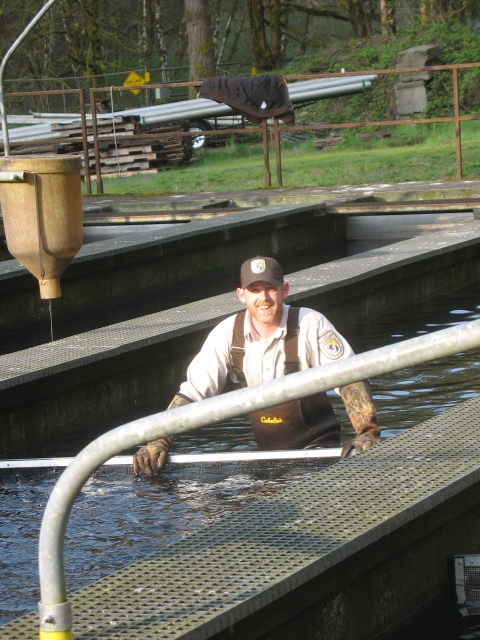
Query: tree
(261, 50)
(226, 33)
(200, 42)
(161, 41)
(310, 9)
(276, 32)
(264, 59)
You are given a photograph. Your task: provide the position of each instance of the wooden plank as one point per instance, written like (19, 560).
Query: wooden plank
(125, 151)
(131, 167)
(127, 159)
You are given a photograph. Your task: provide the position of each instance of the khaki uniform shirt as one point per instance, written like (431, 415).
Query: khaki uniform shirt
(318, 343)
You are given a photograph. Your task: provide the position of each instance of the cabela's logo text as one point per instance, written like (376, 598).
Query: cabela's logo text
(266, 420)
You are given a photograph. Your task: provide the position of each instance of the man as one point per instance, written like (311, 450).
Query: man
(268, 340)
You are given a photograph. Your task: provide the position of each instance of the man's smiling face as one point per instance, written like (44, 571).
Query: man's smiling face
(264, 301)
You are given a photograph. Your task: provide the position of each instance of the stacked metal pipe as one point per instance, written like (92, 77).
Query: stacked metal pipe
(200, 108)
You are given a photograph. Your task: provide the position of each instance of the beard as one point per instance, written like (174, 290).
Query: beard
(269, 316)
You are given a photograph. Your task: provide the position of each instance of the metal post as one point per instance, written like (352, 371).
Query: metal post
(18, 41)
(96, 148)
(278, 151)
(86, 159)
(458, 135)
(54, 606)
(266, 161)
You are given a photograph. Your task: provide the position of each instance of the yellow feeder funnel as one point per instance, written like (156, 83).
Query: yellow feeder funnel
(41, 203)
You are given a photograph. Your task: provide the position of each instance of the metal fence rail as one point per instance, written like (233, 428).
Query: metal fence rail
(456, 118)
(277, 129)
(55, 613)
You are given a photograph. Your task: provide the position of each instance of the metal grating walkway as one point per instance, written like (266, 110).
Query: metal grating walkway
(223, 573)
(99, 344)
(170, 233)
(400, 227)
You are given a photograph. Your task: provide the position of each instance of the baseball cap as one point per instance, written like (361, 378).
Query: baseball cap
(260, 268)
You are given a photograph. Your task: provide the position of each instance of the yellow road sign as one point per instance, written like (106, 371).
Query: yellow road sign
(133, 79)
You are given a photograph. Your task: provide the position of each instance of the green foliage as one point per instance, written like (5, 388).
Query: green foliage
(460, 44)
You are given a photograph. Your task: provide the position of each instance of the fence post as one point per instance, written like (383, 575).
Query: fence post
(86, 159)
(266, 160)
(98, 171)
(278, 151)
(64, 101)
(458, 124)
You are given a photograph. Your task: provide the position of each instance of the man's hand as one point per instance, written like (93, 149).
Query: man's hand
(152, 457)
(361, 442)
(357, 398)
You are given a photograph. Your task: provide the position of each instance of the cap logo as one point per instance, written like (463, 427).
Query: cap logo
(258, 266)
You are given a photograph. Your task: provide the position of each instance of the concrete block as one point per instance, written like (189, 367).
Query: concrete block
(410, 97)
(421, 56)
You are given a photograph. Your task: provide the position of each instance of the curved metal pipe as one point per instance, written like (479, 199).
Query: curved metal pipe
(337, 374)
(18, 41)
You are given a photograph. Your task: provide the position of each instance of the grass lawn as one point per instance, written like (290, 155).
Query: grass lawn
(411, 154)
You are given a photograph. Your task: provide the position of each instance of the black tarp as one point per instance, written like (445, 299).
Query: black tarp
(256, 97)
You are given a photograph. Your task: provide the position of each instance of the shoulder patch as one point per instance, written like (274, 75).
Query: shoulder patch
(331, 346)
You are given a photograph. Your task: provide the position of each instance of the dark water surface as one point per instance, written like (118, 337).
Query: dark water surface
(118, 519)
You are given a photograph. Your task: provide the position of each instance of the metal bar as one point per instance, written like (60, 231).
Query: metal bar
(169, 134)
(375, 123)
(330, 92)
(39, 228)
(13, 176)
(349, 125)
(224, 407)
(55, 92)
(96, 148)
(278, 151)
(458, 135)
(182, 458)
(267, 178)
(14, 46)
(385, 72)
(86, 160)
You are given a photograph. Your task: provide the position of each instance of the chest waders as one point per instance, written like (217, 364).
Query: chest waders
(298, 424)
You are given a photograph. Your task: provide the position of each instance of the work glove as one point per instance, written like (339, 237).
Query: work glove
(152, 457)
(357, 398)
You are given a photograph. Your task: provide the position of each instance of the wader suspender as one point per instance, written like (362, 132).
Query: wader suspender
(292, 364)
(296, 424)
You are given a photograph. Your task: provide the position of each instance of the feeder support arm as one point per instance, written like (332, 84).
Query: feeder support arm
(54, 608)
(18, 41)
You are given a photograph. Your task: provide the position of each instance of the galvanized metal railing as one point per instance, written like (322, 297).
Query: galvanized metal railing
(54, 609)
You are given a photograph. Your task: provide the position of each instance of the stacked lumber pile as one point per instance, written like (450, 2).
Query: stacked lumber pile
(128, 153)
